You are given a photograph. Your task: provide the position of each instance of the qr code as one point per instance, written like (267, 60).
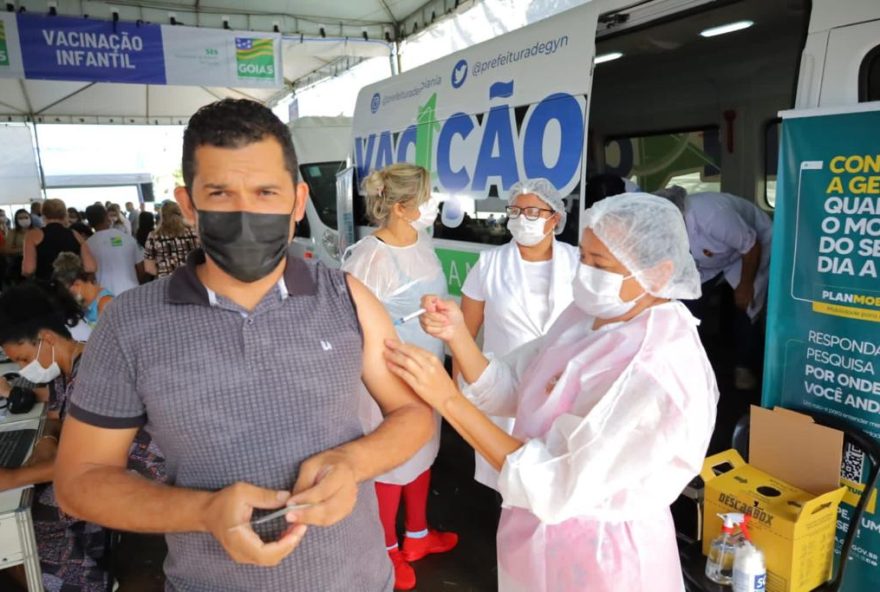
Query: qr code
(853, 463)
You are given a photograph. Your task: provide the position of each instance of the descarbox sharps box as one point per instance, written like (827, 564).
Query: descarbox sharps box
(790, 487)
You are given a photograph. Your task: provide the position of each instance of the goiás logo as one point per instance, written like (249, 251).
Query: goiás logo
(255, 58)
(469, 153)
(459, 73)
(375, 102)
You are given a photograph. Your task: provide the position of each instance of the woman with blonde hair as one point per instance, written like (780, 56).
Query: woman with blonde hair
(397, 262)
(167, 247)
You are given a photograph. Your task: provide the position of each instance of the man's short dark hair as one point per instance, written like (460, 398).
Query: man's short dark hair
(96, 215)
(233, 123)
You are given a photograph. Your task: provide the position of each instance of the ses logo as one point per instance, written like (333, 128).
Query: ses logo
(375, 102)
(459, 73)
(471, 152)
(255, 58)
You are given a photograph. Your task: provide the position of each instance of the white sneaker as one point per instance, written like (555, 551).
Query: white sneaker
(744, 379)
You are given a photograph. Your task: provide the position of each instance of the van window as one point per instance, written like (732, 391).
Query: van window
(484, 222)
(321, 179)
(690, 158)
(771, 160)
(869, 77)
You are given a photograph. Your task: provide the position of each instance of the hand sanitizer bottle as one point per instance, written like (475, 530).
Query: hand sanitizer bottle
(719, 566)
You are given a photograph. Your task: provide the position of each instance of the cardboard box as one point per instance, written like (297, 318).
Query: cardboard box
(790, 487)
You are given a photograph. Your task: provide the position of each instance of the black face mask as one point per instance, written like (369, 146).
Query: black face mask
(245, 245)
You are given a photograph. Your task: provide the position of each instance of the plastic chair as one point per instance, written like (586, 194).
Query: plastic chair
(852, 434)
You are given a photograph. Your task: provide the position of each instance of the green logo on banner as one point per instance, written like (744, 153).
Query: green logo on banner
(255, 58)
(456, 265)
(4, 54)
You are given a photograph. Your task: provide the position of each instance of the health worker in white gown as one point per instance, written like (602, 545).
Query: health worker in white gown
(398, 264)
(614, 410)
(516, 291)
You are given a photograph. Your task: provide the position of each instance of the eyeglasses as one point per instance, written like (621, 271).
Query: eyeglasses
(531, 213)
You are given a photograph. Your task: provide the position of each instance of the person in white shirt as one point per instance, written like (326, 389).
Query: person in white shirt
(730, 239)
(398, 264)
(516, 291)
(115, 251)
(133, 214)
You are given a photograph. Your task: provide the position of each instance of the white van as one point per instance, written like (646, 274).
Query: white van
(322, 147)
(665, 101)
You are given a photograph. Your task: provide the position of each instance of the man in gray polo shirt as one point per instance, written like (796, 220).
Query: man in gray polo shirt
(243, 366)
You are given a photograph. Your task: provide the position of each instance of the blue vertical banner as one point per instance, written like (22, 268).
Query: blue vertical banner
(65, 48)
(823, 328)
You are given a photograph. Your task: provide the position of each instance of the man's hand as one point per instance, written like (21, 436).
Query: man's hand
(5, 388)
(743, 295)
(328, 483)
(227, 516)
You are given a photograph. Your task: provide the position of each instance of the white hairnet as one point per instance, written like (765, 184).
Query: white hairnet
(674, 193)
(546, 192)
(643, 231)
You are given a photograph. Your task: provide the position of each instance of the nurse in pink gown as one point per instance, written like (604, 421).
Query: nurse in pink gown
(614, 409)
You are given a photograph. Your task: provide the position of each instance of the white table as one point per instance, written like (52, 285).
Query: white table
(18, 545)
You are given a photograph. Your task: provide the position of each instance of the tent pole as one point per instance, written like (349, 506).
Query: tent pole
(395, 58)
(33, 122)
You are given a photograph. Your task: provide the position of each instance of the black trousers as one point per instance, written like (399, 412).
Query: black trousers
(748, 334)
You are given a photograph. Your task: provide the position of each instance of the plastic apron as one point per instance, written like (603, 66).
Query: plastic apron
(615, 423)
(508, 322)
(399, 277)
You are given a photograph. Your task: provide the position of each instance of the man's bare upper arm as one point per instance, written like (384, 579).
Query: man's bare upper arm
(387, 390)
(85, 446)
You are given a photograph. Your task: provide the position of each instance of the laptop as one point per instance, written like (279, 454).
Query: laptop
(15, 446)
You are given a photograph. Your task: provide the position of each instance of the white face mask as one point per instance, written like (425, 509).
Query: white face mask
(527, 232)
(427, 215)
(597, 292)
(36, 373)
(24, 223)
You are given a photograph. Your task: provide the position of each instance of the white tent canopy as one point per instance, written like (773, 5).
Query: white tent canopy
(319, 37)
(47, 101)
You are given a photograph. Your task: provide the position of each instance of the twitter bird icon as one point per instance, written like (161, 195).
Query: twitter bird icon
(459, 73)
